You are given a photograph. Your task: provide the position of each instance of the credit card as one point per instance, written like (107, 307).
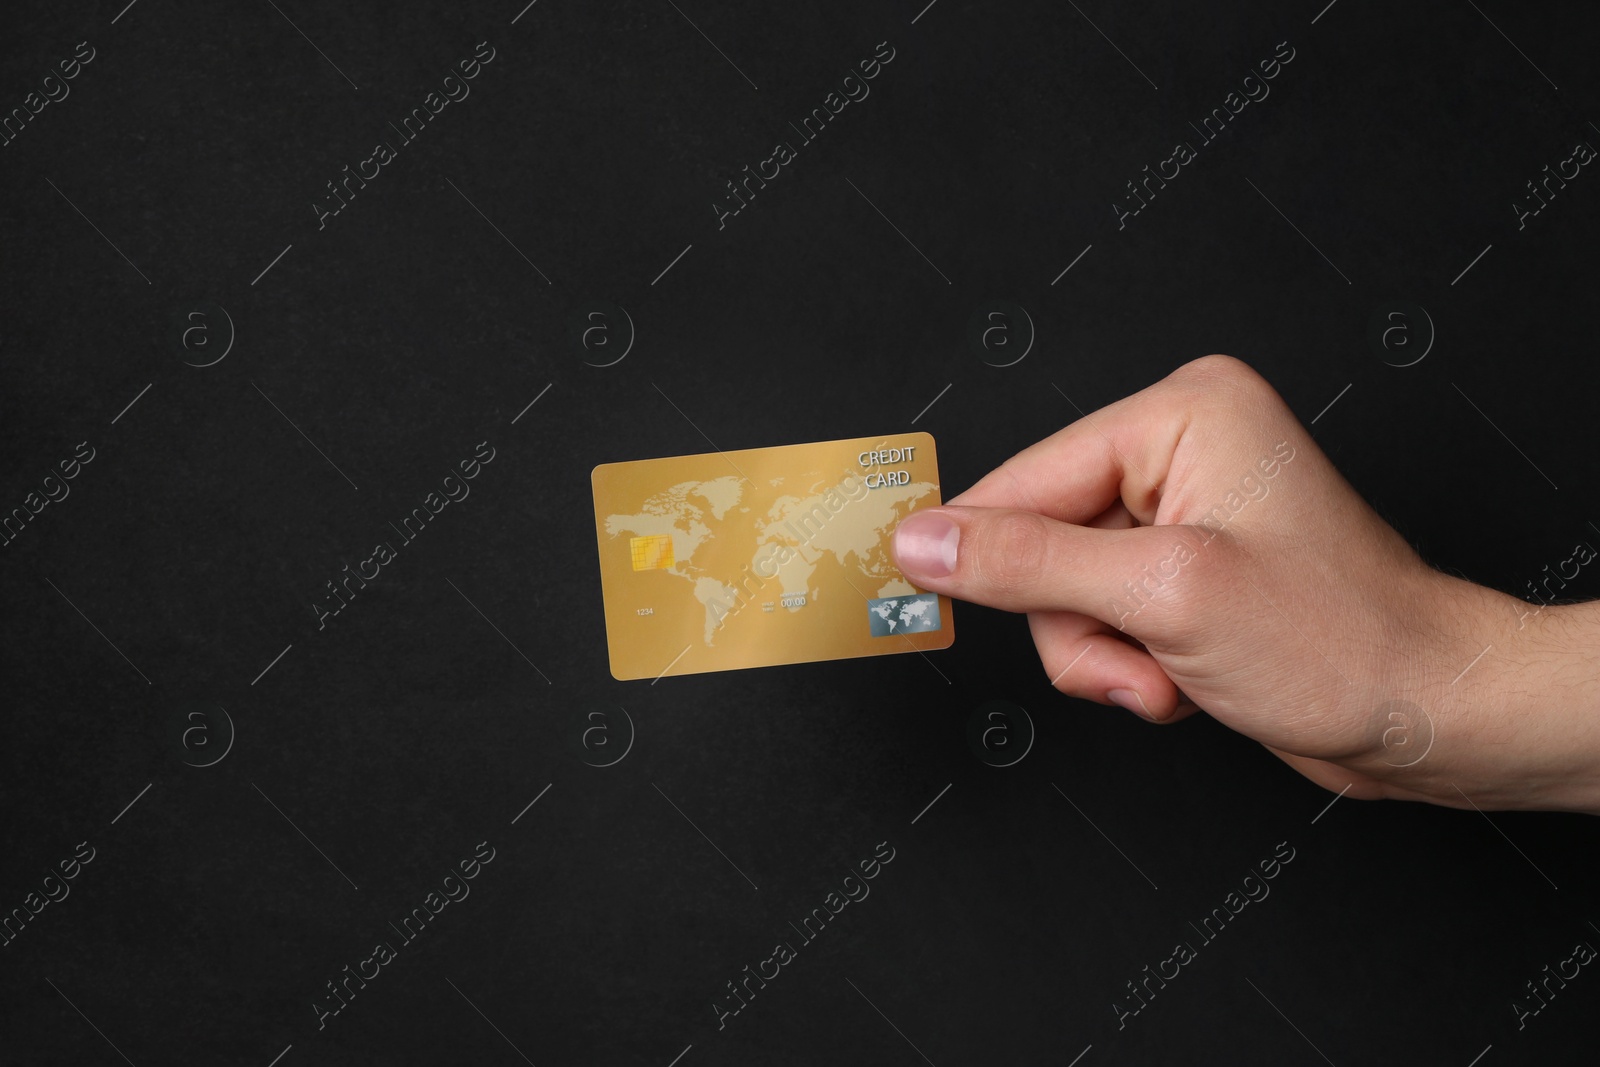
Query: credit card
(764, 556)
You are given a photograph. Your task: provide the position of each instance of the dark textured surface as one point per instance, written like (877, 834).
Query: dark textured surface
(414, 325)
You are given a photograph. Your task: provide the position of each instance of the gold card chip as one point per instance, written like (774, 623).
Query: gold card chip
(652, 553)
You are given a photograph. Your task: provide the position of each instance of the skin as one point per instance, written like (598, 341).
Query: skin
(1282, 606)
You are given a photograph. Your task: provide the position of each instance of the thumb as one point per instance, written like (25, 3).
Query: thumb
(1024, 562)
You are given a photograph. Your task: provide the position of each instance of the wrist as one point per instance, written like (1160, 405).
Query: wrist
(1550, 706)
(1514, 706)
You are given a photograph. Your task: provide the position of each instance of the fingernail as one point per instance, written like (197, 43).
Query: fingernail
(1130, 699)
(925, 544)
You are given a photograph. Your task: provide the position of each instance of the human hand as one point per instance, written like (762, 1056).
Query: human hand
(1190, 547)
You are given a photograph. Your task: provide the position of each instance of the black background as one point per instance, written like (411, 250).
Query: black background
(415, 324)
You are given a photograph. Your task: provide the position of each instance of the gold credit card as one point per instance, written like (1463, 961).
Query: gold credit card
(764, 556)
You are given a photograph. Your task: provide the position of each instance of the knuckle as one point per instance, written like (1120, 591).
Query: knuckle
(1210, 573)
(1013, 551)
(1226, 375)
(1218, 365)
(1174, 581)
(1223, 387)
(1210, 562)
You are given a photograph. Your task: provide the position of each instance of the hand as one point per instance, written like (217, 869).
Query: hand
(1190, 547)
